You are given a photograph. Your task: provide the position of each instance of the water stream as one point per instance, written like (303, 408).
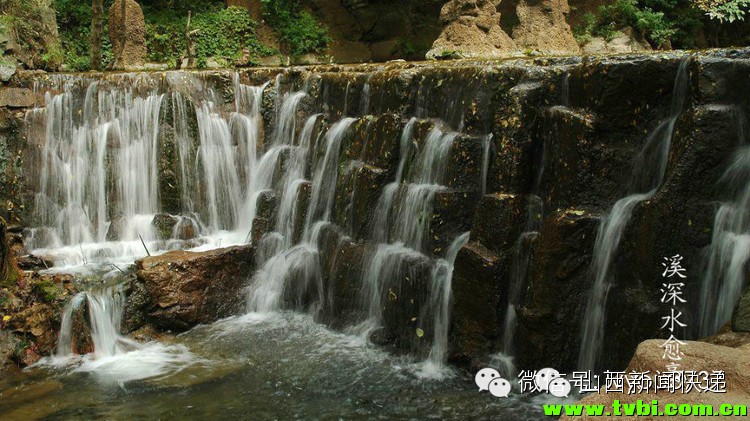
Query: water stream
(124, 155)
(646, 178)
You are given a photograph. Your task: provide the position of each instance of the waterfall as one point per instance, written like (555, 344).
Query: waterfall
(149, 144)
(217, 154)
(115, 357)
(518, 272)
(648, 174)
(105, 306)
(109, 148)
(286, 261)
(440, 300)
(76, 175)
(727, 256)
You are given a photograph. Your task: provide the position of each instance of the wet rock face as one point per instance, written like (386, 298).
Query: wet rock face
(178, 290)
(564, 133)
(127, 30)
(741, 316)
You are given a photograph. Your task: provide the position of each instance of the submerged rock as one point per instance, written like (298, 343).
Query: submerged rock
(180, 289)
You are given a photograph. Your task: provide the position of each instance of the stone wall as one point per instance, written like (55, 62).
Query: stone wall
(565, 130)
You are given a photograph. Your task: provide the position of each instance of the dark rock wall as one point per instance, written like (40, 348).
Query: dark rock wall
(565, 130)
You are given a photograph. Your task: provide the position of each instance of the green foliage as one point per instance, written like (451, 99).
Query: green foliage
(663, 23)
(725, 10)
(25, 21)
(404, 48)
(74, 23)
(223, 34)
(298, 30)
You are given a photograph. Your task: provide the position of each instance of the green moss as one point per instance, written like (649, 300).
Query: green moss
(26, 21)
(46, 290)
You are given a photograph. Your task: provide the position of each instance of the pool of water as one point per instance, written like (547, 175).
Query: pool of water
(258, 366)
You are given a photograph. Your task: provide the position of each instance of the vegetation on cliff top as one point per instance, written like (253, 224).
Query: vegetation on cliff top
(665, 24)
(226, 35)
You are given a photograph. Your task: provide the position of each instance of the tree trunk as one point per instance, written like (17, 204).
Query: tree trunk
(97, 25)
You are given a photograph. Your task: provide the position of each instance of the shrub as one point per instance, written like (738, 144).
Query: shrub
(724, 10)
(74, 23)
(221, 33)
(298, 30)
(663, 23)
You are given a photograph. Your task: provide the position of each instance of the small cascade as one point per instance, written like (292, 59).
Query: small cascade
(647, 176)
(285, 261)
(78, 172)
(519, 268)
(728, 254)
(104, 307)
(114, 357)
(440, 300)
(217, 154)
(402, 217)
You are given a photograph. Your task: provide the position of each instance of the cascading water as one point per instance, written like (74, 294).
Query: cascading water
(224, 168)
(301, 260)
(522, 250)
(645, 180)
(114, 357)
(102, 169)
(441, 293)
(727, 256)
(79, 174)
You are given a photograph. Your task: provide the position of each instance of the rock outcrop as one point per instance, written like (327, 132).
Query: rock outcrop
(471, 29)
(178, 290)
(543, 27)
(741, 316)
(30, 309)
(699, 356)
(627, 41)
(127, 31)
(30, 38)
(565, 132)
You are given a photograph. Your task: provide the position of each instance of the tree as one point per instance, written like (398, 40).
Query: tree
(724, 10)
(97, 27)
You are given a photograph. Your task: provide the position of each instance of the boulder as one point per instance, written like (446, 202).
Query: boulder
(699, 356)
(17, 97)
(164, 224)
(7, 70)
(127, 31)
(627, 41)
(471, 29)
(180, 289)
(543, 27)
